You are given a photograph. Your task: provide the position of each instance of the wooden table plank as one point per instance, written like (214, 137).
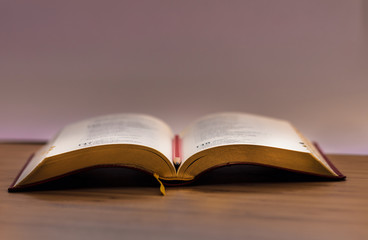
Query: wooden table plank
(239, 203)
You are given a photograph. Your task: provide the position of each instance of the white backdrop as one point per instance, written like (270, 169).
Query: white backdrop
(304, 61)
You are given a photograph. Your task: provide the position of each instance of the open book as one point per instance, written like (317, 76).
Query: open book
(148, 144)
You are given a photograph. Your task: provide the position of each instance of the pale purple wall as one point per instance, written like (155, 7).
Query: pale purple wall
(305, 61)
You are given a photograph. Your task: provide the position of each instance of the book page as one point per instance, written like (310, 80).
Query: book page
(115, 129)
(239, 128)
(111, 129)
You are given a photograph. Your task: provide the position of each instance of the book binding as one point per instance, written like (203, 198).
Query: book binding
(176, 150)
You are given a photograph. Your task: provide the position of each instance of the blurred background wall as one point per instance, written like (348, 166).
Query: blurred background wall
(304, 61)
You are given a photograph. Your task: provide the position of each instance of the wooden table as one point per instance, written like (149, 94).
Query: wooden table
(240, 203)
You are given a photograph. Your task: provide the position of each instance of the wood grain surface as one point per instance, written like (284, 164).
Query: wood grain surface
(231, 203)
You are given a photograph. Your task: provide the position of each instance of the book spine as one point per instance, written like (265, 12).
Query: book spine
(176, 150)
